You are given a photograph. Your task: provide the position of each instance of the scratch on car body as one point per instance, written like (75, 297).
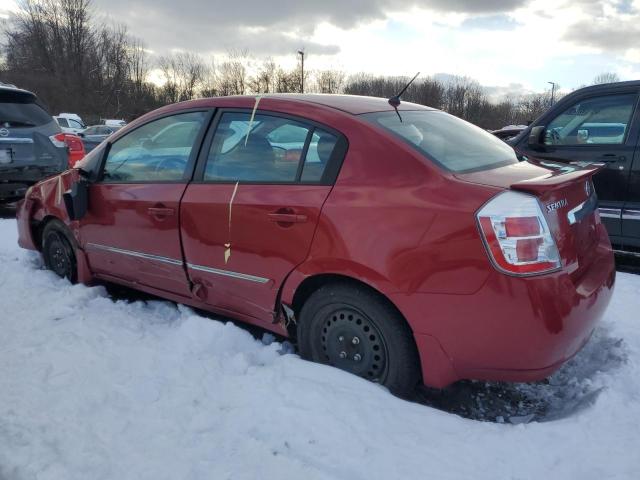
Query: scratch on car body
(227, 251)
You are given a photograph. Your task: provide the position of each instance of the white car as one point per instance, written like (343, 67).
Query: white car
(110, 122)
(70, 125)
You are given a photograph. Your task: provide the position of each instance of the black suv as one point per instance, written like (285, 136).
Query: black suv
(29, 148)
(598, 124)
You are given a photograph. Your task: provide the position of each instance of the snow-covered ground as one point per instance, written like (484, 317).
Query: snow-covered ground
(92, 388)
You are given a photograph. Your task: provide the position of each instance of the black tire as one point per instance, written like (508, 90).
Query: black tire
(58, 250)
(357, 330)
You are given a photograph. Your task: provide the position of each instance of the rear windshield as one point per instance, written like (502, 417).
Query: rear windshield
(452, 143)
(17, 111)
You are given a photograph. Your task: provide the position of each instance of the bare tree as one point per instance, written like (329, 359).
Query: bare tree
(54, 48)
(183, 74)
(264, 81)
(329, 81)
(606, 77)
(232, 78)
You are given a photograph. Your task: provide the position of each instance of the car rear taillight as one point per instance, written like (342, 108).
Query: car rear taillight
(75, 147)
(74, 143)
(58, 140)
(517, 236)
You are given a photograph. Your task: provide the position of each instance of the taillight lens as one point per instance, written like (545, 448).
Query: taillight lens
(74, 143)
(517, 235)
(58, 140)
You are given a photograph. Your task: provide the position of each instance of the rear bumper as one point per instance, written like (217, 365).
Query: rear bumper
(15, 180)
(511, 329)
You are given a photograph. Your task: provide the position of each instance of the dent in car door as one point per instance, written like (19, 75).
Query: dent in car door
(250, 218)
(131, 231)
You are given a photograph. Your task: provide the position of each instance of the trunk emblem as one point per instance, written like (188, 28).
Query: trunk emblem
(556, 205)
(4, 132)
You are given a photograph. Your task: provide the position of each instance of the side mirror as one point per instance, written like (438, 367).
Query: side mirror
(77, 200)
(80, 134)
(535, 136)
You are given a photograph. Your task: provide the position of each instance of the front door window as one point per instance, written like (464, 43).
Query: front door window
(594, 121)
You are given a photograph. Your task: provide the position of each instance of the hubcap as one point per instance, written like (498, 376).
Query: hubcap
(352, 342)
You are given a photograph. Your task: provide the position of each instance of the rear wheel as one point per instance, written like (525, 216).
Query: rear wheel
(358, 331)
(58, 251)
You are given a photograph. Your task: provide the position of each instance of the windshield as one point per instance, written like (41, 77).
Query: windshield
(452, 143)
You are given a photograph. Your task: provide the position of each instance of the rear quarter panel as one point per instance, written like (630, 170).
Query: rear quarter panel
(398, 223)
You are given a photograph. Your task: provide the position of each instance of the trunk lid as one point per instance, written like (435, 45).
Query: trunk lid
(567, 198)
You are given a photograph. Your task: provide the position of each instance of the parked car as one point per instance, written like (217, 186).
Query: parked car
(508, 132)
(597, 124)
(95, 135)
(70, 125)
(29, 149)
(73, 116)
(416, 249)
(112, 122)
(75, 147)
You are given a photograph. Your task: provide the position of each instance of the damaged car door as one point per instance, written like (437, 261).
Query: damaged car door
(250, 214)
(131, 229)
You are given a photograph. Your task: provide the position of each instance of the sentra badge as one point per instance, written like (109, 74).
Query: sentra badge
(556, 205)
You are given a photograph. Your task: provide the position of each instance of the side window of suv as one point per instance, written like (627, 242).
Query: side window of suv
(594, 121)
(156, 151)
(267, 149)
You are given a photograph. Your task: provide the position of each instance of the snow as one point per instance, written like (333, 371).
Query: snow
(92, 388)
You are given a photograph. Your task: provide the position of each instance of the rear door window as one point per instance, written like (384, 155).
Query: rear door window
(318, 156)
(157, 151)
(269, 149)
(450, 142)
(263, 149)
(595, 121)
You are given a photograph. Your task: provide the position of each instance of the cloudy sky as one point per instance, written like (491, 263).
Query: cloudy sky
(510, 44)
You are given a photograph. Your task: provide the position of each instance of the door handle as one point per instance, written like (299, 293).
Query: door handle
(279, 217)
(160, 213)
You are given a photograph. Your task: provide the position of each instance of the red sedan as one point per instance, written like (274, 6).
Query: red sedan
(404, 246)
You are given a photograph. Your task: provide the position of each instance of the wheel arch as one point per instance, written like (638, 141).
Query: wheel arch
(436, 367)
(37, 230)
(84, 273)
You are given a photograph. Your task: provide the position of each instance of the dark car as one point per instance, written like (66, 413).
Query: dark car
(31, 147)
(402, 246)
(95, 135)
(597, 124)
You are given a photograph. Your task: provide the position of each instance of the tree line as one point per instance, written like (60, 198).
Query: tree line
(74, 63)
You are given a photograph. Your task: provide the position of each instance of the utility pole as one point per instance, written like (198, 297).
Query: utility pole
(301, 53)
(553, 91)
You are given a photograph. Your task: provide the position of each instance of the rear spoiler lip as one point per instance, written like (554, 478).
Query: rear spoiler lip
(557, 181)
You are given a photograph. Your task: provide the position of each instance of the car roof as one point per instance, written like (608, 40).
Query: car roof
(606, 86)
(353, 104)
(6, 88)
